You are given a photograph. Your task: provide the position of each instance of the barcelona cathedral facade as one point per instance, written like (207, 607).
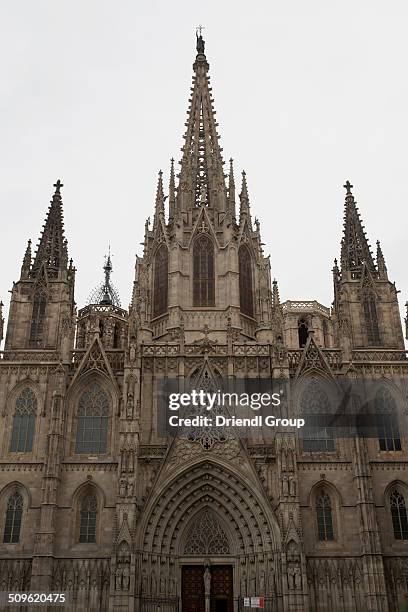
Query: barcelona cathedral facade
(95, 502)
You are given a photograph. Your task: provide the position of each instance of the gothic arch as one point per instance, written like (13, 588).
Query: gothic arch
(335, 502)
(246, 283)
(160, 281)
(395, 484)
(334, 492)
(10, 409)
(207, 534)
(84, 490)
(203, 253)
(74, 394)
(208, 484)
(26, 531)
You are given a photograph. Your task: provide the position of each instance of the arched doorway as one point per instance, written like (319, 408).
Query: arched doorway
(242, 553)
(206, 565)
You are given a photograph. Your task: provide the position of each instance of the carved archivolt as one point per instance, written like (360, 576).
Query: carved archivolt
(208, 487)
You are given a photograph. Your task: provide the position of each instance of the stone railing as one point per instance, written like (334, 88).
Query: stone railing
(379, 355)
(102, 309)
(304, 306)
(33, 355)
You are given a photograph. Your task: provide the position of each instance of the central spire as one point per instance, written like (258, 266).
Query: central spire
(201, 175)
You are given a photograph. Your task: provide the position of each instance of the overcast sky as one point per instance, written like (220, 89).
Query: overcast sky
(308, 94)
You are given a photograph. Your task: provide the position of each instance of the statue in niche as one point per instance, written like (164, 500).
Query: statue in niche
(126, 578)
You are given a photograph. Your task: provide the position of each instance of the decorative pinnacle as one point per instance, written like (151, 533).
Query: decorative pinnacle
(348, 187)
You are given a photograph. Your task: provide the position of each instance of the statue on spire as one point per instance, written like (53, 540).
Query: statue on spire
(200, 42)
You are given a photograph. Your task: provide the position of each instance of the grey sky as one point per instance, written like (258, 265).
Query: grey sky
(307, 95)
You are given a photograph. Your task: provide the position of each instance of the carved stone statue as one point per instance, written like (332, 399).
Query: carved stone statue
(207, 580)
(200, 43)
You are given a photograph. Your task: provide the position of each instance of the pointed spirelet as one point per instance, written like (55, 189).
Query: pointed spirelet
(244, 208)
(382, 268)
(1, 322)
(26, 266)
(231, 189)
(275, 293)
(201, 163)
(105, 293)
(355, 249)
(159, 206)
(50, 249)
(172, 193)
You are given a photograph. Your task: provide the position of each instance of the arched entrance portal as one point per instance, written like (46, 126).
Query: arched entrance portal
(207, 515)
(207, 566)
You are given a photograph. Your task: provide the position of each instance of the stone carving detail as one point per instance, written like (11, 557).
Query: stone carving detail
(207, 537)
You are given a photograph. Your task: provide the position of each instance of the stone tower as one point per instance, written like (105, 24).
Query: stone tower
(97, 501)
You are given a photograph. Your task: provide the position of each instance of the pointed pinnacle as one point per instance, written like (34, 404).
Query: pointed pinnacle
(244, 188)
(275, 293)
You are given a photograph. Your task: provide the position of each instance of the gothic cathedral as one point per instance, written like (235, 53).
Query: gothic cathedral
(97, 503)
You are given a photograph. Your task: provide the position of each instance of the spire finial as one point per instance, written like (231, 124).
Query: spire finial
(58, 186)
(106, 294)
(348, 187)
(200, 45)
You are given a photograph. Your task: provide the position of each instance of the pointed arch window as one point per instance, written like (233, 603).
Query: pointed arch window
(87, 527)
(371, 319)
(12, 525)
(246, 297)
(387, 425)
(399, 515)
(38, 319)
(324, 517)
(161, 281)
(203, 272)
(303, 332)
(116, 335)
(22, 433)
(316, 409)
(92, 421)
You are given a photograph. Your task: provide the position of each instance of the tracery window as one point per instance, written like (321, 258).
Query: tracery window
(246, 297)
(303, 332)
(316, 409)
(161, 281)
(387, 425)
(203, 272)
(87, 527)
(22, 433)
(399, 515)
(324, 517)
(207, 537)
(371, 319)
(38, 319)
(14, 512)
(92, 421)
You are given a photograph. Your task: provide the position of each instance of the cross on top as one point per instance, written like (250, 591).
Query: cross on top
(58, 186)
(348, 186)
